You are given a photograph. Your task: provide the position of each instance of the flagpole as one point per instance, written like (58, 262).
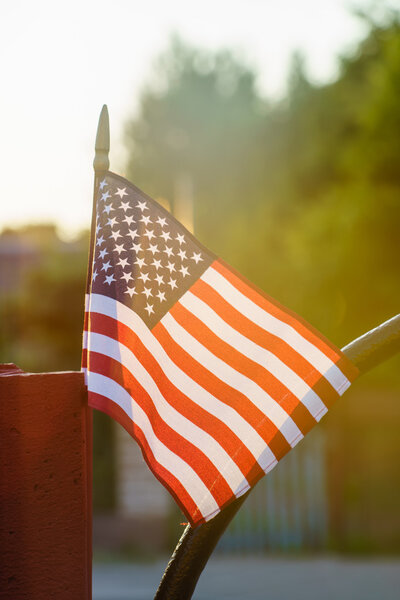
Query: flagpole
(101, 165)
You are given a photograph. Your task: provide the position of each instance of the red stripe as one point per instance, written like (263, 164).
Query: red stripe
(189, 409)
(193, 456)
(223, 392)
(173, 485)
(283, 314)
(242, 364)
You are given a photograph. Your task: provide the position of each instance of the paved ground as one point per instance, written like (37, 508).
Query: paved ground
(260, 578)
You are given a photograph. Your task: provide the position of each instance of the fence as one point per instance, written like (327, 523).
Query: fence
(288, 509)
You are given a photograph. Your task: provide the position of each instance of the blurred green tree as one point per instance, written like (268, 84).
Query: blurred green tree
(301, 195)
(202, 118)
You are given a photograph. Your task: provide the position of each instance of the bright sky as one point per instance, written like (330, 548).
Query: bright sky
(60, 61)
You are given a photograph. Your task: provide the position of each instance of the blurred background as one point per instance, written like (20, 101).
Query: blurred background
(278, 127)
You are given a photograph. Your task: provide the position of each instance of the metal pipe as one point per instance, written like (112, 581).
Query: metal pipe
(196, 545)
(375, 346)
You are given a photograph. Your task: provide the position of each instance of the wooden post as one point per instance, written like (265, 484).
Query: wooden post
(45, 486)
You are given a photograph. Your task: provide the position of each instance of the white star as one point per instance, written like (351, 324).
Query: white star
(161, 296)
(121, 192)
(156, 263)
(172, 283)
(112, 221)
(162, 221)
(165, 235)
(119, 248)
(115, 235)
(153, 249)
(127, 276)
(130, 291)
(159, 279)
(145, 220)
(105, 196)
(107, 208)
(184, 271)
(196, 257)
(147, 292)
(100, 241)
(98, 228)
(136, 247)
(133, 233)
(180, 239)
(168, 251)
(123, 262)
(142, 205)
(128, 219)
(171, 267)
(109, 279)
(103, 183)
(125, 205)
(102, 253)
(182, 254)
(106, 266)
(149, 234)
(144, 277)
(94, 275)
(149, 308)
(140, 262)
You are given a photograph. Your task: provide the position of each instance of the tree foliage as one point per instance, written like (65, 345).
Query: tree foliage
(301, 195)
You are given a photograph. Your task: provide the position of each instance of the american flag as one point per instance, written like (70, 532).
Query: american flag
(215, 380)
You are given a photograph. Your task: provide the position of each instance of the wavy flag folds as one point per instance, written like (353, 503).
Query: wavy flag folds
(215, 380)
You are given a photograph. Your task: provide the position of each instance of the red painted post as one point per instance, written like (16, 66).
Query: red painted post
(45, 486)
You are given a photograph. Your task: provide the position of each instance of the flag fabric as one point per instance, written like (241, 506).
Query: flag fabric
(214, 379)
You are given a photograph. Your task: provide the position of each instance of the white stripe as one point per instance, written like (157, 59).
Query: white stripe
(169, 415)
(231, 377)
(286, 332)
(254, 352)
(225, 413)
(104, 386)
